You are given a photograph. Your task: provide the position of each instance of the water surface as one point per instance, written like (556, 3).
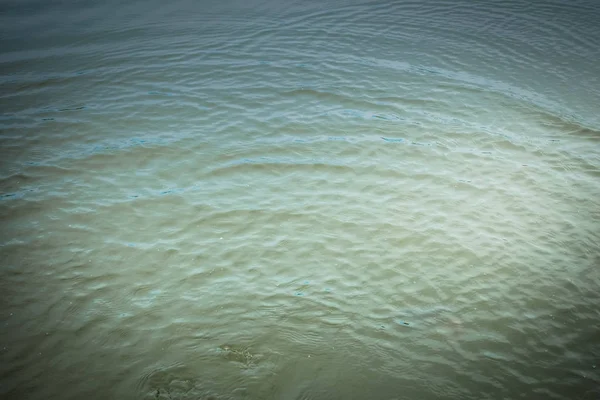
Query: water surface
(300, 200)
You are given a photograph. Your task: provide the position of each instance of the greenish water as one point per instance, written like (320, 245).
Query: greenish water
(300, 200)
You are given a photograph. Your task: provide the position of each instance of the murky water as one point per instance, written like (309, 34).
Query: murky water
(300, 200)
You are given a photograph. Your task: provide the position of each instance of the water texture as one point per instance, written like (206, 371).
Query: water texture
(300, 200)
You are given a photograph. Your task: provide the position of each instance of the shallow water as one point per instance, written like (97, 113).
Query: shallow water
(300, 200)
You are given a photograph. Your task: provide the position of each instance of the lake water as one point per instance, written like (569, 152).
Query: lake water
(300, 200)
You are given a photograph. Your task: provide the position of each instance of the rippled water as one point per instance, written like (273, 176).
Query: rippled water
(300, 200)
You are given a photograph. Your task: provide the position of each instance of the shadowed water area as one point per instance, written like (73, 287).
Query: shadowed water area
(300, 200)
